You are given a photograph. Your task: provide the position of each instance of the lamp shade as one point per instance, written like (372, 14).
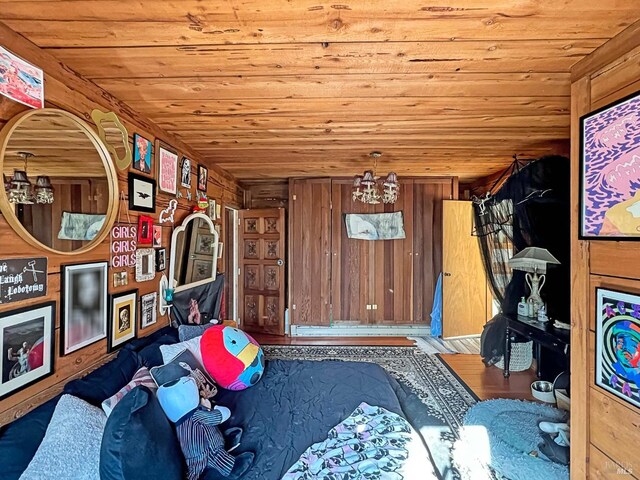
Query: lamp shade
(533, 259)
(368, 178)
(20, 178)
(357, 181)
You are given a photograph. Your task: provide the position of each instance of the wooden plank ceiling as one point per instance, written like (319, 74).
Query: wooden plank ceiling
(281, 88)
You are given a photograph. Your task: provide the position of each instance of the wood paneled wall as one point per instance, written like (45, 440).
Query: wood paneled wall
(68, 91)
(270, 193)
(334, 277)
(604, 428)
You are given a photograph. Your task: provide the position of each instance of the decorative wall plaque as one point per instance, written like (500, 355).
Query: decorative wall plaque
(22, 279)
(124, 241)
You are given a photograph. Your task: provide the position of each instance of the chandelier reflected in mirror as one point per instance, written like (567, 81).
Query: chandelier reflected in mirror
(20, 190)
(367, 187)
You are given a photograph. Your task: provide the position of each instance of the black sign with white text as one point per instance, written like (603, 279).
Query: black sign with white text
(22, 279)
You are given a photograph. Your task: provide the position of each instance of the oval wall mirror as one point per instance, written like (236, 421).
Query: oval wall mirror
(60, 187)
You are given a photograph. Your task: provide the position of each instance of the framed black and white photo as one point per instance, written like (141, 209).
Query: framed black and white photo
(123, 317)
(185, 172)
(27, 337)
(84, 305)
(142, 193)
(161, 259)
(148, 309)
(145, 264)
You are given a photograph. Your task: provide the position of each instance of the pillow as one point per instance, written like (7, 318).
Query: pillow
(104, 382)
(150, 355)
(142, 377)
(169, 352)
(139, 442)
(181, 366)
(187, 332)
(71, 447)
(20, 439)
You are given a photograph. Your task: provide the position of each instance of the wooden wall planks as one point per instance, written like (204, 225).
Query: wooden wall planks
(600, 422)
(280, 89)
(68, 91)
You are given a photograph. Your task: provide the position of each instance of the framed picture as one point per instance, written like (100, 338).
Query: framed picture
(220, 247)
(148, 309)
(618, 344)
(202, 269)
(27, 337)
(167, 159)
(145, 264)
(142, 193)
(203, 174)
(142, 154)
(212, 210)
(145, 230)
(120, 279)
(157, 236)
(123, 313)
(609, 173)
(84, 305)
(204, 244)
(161, 259)
(185, 172)
(21, 81)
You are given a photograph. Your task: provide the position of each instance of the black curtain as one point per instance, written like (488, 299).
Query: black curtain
(531, 209)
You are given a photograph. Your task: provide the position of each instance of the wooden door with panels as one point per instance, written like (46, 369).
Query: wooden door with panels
(464, 282)
(262, 270)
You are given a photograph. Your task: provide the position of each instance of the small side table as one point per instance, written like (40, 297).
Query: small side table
(542, 335)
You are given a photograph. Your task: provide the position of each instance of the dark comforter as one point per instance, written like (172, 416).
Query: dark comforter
(297, 402)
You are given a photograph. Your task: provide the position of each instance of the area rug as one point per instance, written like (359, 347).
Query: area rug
(434, 345)
(437, 399)
(503, 436)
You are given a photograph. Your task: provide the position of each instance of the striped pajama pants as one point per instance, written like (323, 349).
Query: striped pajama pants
(202, 443)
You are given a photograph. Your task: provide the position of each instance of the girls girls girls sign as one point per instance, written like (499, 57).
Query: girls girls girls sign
(123, 245)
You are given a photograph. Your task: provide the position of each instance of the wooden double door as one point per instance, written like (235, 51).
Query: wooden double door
(336, 280)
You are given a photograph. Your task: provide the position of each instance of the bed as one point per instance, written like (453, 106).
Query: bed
(294, 406)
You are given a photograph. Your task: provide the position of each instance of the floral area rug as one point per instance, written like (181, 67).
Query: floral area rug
(436, 399)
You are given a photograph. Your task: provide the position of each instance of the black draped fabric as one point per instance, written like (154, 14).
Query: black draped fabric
(531, 209)
(206, 299)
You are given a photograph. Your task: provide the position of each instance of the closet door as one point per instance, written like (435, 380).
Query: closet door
(353, 261)
(428, 195)
(310, 236)
(391, 282)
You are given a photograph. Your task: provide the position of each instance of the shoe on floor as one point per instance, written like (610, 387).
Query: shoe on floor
(550, 427)
(552, 451)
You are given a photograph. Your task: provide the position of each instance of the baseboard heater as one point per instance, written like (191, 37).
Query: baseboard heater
(361, 331)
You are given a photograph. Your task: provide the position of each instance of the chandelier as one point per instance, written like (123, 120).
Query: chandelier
(366, 188)
(20, 190)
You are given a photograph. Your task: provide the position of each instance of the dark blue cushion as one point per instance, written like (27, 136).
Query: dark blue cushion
(106, 380)
(139, 442)
(164, 335)
(150, 355)
(20, 440)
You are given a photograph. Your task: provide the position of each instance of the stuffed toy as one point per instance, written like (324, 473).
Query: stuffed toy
(233, 359)
(200, 439)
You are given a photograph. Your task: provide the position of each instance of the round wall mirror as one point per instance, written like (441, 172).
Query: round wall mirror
(60, 187)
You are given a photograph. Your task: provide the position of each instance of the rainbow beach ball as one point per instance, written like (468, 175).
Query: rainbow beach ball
(233, 358)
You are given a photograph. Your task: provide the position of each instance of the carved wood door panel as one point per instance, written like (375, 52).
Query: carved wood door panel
(262, 268)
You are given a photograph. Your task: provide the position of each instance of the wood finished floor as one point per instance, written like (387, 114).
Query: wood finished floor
(486, 382)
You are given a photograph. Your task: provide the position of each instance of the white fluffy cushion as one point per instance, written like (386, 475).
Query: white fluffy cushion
(70, 449)
(169, 352)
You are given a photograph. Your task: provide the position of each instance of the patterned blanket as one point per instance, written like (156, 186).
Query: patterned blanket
(371, 444)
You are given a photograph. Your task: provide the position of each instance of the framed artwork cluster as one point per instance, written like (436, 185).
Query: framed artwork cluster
(610, 172)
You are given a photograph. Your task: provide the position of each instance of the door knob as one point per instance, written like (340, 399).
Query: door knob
(447, 274)
(280, 262)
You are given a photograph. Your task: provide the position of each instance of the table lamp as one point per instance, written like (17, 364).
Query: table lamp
(534, 260)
